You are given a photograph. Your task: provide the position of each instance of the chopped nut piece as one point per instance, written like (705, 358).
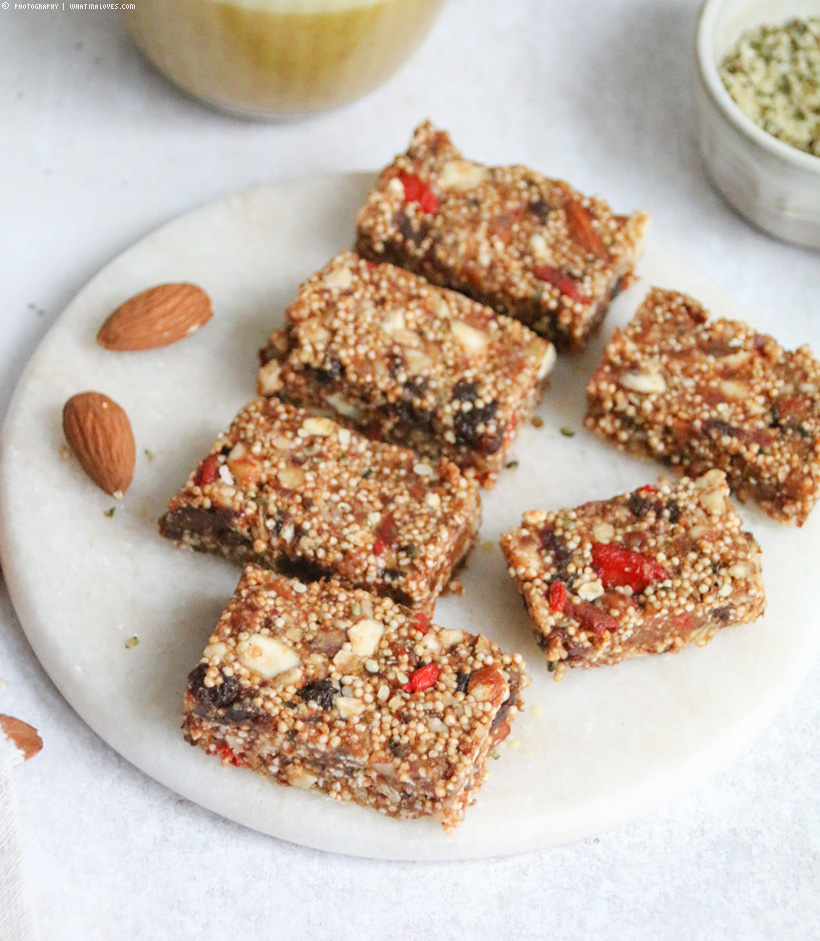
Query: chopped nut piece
(364, 637)
(266, 655)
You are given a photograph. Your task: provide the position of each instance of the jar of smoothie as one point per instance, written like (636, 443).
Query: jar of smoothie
(273, 58)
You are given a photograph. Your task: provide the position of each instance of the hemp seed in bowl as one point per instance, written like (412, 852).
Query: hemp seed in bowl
(773, 74)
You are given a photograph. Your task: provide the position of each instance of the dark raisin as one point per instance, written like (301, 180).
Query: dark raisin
(395, 364)
(465, 390)
(466, 425)
(412, 416)
(540, 209)
(330, 370)
(561, 555)
(462, 681)
(220, 695)
(720, 427)
(396, 748)
(322, 692)
(244, 712)
(416, 386)
(404, 224)
(723, 613)
(696, 314)
(673, 510)
(775, 420)
(638, 504)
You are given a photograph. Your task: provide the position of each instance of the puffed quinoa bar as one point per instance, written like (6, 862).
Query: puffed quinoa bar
(528, 246)
(330, 688)
(409, 362)
(645, 572)
(300, 493)
(697, 394)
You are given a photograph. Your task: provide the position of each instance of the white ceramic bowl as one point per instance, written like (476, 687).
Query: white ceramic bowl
(773, 185)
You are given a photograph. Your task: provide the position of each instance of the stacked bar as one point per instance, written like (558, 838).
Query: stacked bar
(409, 363)
(528, 246)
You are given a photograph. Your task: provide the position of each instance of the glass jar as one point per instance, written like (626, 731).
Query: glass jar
(274, 58)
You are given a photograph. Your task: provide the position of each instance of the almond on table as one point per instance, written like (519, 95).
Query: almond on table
(409, 363)
(298, 492)
(528, 246)
(333, 689)
(697, 393)
(645, 572)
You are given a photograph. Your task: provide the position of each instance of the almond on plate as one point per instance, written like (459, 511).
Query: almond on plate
(99, 433)
(156, 317)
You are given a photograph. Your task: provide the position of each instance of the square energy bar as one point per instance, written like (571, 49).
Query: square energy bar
(696, 393)
(528, 246)
(409, 362)
(330, 688)
(300, 493)
(645, 572)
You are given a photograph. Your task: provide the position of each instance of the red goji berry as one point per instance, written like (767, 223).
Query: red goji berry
(421, 622)
(558, 596)
(208, 471)
(423, 678)
(417, 191)
(386, 535)
(229, 757)
(565, 284)
(618, 566)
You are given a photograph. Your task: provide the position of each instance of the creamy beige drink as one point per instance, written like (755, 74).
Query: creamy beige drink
(279, 57)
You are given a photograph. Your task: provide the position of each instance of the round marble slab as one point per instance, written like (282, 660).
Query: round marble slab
(603, 747)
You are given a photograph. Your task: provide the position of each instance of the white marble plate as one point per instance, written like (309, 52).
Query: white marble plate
(601, 748)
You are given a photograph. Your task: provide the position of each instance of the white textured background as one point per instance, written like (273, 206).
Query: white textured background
(95, 152)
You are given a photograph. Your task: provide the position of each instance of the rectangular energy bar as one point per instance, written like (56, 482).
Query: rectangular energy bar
(300, 493)
(409, 362)
(696, 393)
(644, 572)
(526, 245)
(325, 687)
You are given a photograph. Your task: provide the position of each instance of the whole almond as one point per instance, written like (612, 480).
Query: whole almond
(24, 736)
(156, 317)
(99, 433)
